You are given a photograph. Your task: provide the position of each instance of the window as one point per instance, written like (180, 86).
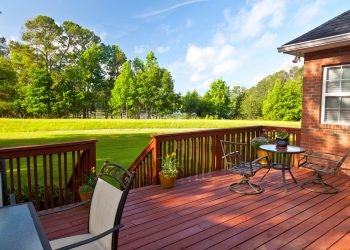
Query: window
(336, 95)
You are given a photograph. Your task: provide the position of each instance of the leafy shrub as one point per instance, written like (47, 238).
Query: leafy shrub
(41, 200)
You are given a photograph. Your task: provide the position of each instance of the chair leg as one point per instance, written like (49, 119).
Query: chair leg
(252, 188)
(265, 173)
(324, 188)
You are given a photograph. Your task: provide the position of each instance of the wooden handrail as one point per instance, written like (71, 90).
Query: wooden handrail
(56, 162)
(197, 151)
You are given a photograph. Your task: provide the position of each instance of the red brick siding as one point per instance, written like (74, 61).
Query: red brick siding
(314, 135)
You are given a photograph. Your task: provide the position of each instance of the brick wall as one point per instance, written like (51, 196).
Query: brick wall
(314, 135)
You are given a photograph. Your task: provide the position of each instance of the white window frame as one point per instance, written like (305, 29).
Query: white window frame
(324, 95)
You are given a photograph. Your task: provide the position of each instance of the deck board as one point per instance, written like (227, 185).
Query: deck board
(201, 213)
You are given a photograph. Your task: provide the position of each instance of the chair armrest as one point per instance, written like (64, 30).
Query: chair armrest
(62, 209)
(229, 154)
(315, 152)
(84, 242)
(260, 158)
(323, 158)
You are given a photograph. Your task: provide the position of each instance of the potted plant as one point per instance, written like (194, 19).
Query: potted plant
(86, 190)
(282, 137)
(169, 172)
(262, 140)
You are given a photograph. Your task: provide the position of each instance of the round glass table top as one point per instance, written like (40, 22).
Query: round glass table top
(288, 149)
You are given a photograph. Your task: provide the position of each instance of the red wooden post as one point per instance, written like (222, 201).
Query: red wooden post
(218, 152)
(157, 160)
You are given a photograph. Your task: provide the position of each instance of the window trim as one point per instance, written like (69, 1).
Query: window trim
(324, 94)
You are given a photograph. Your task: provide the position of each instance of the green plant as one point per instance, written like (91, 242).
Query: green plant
(170, 166)
(85, 188)
(261, 140)
(89, 182)
(41, 195)
(282, 133)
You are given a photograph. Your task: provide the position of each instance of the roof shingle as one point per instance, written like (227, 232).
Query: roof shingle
(337, 26)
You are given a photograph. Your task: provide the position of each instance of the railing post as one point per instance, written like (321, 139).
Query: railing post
(218, 152)
(156, 158)
(3, 184)
(92, 155)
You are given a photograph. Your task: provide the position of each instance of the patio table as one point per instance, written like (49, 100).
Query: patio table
(287, 156)
(20, 228)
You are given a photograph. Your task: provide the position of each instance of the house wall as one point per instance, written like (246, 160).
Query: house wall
(314, 135)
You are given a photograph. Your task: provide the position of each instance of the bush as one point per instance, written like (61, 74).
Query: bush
(41, 200)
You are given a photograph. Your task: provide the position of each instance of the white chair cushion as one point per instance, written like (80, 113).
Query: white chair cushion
(103, 209)
(73, 239)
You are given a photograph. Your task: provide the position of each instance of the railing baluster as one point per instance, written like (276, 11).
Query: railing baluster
(12, 185)
(19, 182)
(45, 183)
(36, 184)
(65, 173)
(73, 177)
(29, 180)
(51, 182)
(59, 179)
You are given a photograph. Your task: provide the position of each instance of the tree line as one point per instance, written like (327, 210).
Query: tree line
(61, 71)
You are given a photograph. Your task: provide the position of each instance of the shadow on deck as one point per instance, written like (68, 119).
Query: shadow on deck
(201, 213)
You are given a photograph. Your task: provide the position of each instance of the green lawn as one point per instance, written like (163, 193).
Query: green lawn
(26, 125)
(118, 140)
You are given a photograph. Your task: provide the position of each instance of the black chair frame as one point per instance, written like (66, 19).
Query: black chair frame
(246, 169)
(318, 161)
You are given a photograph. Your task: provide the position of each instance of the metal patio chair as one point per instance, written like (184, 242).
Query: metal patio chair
(233, 154)
(106, 210)
(322, 163)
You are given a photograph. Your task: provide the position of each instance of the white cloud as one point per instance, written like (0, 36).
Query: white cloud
(219, 39)
(197, 77)
(307, 12)
(288, 63)
(249, 23)
(224, 67)
(140, 49)
(162, 11)
(232, 51)
(103, 36)
(266, 40)
(166, 29)
(203, 65)
(14, 38)
(198, 58)
(163, 49)
(189, 23)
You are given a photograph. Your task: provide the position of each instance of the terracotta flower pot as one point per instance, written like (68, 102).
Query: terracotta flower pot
(84, 196)
(262, 153)
(166, 181)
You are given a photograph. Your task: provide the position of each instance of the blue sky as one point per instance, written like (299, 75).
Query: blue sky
(197, 40)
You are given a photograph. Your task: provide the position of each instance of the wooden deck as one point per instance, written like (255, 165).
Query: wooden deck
(201, 213)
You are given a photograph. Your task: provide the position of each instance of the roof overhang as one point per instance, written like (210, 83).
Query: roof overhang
(299, 49)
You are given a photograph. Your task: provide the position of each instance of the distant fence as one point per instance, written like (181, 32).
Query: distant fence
(50, 174)
(197, 152)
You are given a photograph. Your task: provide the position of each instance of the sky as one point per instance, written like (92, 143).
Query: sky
(198, 41)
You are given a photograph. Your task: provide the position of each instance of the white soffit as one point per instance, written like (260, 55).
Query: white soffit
(299, 49)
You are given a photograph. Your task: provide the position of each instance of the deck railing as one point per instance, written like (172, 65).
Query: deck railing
(50, 174)
(197, 152)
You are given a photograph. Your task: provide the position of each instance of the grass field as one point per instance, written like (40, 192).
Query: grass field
(118, 140)
(29, 125)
